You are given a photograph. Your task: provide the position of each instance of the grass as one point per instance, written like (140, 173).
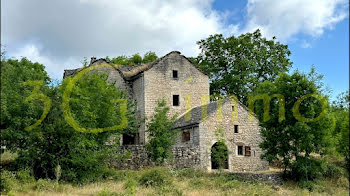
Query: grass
(163, 181)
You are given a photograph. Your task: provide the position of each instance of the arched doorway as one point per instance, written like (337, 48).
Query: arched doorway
(219, 156)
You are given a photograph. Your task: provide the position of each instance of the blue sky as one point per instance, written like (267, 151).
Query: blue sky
(328, 53)
(59, 34)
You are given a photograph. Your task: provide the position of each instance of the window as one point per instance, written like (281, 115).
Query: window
(240, 150)
(175, 74)
(176, 100)
(236, 128)
(247, 152)
(186, 136)
(129, 139)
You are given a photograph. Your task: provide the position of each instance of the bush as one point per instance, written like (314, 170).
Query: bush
(309, 185)
(24, 176)
(8, 181)
(156, 177)
(130, 185)
(161, 135)
(333, 171)
(305, 169)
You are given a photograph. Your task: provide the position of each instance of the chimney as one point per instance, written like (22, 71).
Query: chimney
(93, 59)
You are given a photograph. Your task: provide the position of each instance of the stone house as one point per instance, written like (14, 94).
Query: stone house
(200, 125)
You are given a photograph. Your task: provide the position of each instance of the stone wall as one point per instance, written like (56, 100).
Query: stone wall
(159, 83)
(183, 157)
(248, 135)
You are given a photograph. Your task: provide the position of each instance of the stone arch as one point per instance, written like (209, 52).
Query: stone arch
(219, 156)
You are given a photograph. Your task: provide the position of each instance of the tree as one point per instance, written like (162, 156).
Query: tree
(135, 59)
(17, 112)
(161, 135)
(149, 57)
(340, 111)
(295, 137)
(236, 65)
(53, 143)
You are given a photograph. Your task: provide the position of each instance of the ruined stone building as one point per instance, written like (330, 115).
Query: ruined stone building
(201, 123)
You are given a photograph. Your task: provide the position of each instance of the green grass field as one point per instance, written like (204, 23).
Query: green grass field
(163, 181)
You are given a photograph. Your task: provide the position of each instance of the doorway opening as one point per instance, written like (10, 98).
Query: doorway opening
(219, 156)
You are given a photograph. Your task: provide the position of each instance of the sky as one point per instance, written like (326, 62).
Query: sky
(60, 33)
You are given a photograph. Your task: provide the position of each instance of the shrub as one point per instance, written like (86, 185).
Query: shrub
(8, 181)
(161, 137)
(306, 185)
(24, 176)
(305, 169)
(130, 185)
(156, 177)
(332, 170)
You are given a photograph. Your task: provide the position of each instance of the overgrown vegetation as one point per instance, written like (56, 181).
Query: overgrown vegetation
(161, 135)
(135, 59)
(80, 157)
(238, 64)
(52, 157)
(163, 181)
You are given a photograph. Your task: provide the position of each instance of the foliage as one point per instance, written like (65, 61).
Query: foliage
(307, 169)
(203, 183)
(7, 157)
(236, 65)
(219, 155)
(134, 59)
(81, 156)
(16, 112)
(161, 135)
(290, 138)
(340, 111)
(8, 181)
(149, 57)
(156, 177)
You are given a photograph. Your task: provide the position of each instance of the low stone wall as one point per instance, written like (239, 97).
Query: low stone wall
(183, 157)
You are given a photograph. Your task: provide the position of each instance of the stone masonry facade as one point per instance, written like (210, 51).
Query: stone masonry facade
(201, 124)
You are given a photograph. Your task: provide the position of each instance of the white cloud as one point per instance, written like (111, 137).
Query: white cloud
(287, 18)
(60, 33)
(76, 28)
(54, 67)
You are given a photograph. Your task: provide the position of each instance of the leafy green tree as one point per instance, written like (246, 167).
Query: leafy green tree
(340, 110)
(161, 135)
(236, 65)
(135, 59)
(293, 137)
(120, 60)
(17, 113)
(53, 143)
(149, 57)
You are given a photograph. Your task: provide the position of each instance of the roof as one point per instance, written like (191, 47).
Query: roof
(196, 113)
(128, 72)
